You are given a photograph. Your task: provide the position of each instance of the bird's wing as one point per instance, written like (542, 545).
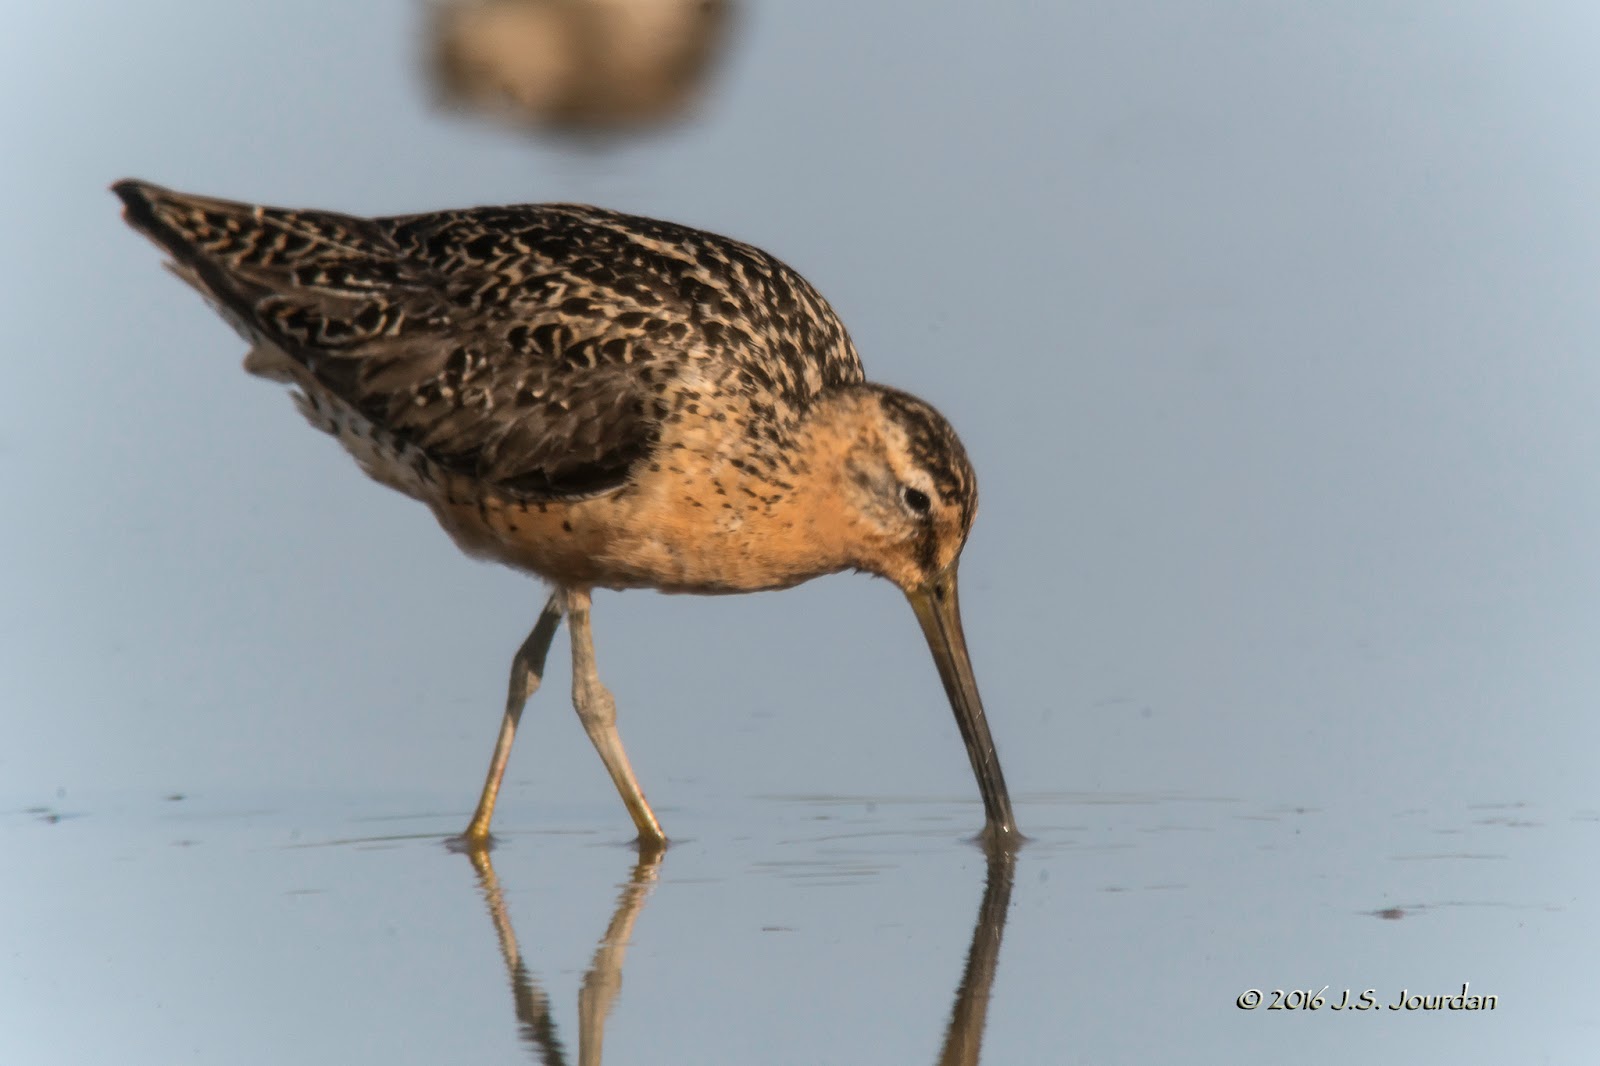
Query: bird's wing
(487, 353)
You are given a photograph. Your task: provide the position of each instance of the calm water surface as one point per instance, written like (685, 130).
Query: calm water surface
(1272, 335)
(818, 929)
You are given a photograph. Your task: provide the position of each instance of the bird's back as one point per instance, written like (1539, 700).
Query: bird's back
(539, 351)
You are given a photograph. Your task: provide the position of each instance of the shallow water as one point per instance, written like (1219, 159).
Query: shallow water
(810, 929)
(1271, 334)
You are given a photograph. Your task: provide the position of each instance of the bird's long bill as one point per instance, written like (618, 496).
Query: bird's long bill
(939, 610)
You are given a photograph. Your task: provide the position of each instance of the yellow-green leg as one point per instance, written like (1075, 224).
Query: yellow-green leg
(598, 713)
(527, 670)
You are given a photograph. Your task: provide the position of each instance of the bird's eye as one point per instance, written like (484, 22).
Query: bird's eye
(916, 499)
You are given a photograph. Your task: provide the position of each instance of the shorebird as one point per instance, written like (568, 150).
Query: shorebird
(603, 401)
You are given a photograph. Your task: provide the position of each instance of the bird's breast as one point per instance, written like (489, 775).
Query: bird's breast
(685, 522)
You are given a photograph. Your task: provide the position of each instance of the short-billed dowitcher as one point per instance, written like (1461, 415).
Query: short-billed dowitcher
(603, 401)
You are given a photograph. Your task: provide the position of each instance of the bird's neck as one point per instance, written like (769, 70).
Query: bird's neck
(828, 508)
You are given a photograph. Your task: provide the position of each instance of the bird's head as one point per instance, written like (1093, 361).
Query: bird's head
(908, 490)
(906, 496)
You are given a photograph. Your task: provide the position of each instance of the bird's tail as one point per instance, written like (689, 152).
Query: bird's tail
(312, 279)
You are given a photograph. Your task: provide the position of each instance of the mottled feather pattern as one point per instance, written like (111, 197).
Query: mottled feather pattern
(541, 349)
(603, 401)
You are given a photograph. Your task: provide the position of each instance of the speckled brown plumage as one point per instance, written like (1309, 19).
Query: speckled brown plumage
(597, 398)
(538, 348)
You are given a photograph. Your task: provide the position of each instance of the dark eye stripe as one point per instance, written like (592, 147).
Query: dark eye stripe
(935, 448)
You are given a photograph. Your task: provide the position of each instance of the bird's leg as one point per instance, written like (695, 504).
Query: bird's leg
(527, 670)
(598, 713)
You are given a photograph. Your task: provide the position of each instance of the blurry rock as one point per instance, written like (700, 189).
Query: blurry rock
(577, 65)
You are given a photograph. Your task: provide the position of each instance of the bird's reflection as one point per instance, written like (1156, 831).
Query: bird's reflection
(600, 985)
(581, 66)
(963, 1040)
(963, 1037)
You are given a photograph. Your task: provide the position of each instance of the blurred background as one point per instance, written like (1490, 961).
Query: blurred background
(584, 67)
(1271, 331)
